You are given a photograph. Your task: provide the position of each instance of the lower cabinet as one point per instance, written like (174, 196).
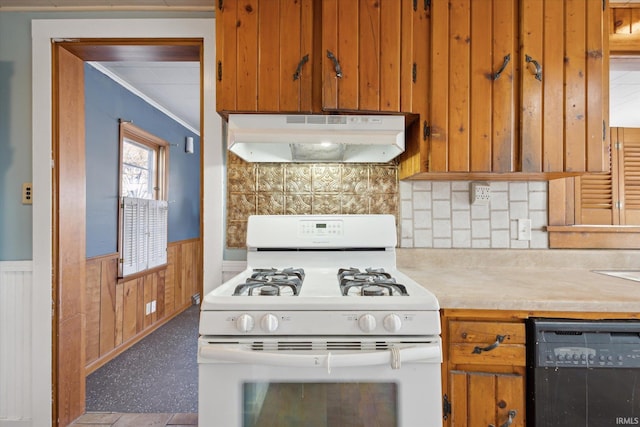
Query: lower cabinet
(486, 399)
(484, 378)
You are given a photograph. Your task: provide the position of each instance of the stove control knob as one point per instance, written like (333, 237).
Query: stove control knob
(392, 322)
(269, 322)
(367, 322)
(244, 323)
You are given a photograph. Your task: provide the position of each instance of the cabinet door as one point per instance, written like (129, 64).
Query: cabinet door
(474, 85)
(414, 85)
(486, 399)
(563, 60)
(264, 55)
(361, 55)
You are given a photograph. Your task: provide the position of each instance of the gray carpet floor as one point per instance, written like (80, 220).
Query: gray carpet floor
(158, 374)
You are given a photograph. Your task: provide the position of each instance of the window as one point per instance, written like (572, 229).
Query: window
(142, 239)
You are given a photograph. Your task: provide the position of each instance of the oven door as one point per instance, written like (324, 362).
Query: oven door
(320, 382)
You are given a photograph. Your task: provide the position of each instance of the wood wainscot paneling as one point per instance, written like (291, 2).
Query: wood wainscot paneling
(116, 309)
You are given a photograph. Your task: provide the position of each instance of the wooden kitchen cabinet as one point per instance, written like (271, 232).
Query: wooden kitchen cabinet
(486, 399)
(362, 50)
(484, 371)
(322, 56)
(517, 86)
(264, 56)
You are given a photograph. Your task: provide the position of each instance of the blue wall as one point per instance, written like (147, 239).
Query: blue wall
(106, 102)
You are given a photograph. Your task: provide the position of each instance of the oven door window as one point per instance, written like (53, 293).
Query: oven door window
(320, 404)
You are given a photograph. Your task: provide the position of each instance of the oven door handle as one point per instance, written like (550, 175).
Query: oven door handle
(394, 357)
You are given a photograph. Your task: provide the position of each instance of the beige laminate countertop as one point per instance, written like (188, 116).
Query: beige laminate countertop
(532, 280)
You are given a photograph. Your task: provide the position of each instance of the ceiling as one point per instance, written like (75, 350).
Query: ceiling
(624, 92)
(173, 87)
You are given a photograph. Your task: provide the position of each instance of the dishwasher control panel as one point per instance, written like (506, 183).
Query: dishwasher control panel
(594, 344)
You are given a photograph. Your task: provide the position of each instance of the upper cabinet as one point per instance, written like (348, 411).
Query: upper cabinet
(361, 55)
(264, 56)
(517, 86)
(321, 56)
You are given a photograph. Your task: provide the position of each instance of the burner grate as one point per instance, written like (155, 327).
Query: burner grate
(371, 282)
(272, 282)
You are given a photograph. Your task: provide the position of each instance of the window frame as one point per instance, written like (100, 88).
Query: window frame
(140, 136)
(127, 130)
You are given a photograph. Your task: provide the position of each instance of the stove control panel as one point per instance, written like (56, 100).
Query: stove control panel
(310, 322)
(324, 228)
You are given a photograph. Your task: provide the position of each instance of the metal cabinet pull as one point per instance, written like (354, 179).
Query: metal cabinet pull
(499, 339)
(512, 414)
(497, 74)
(303, 61)
(537, 67)
(336, 64)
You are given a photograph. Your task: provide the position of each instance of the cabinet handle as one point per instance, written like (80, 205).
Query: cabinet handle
(303, 61)
(512, 414)
(499, 339)
(537, 67)
(497, 74)
(336, 64)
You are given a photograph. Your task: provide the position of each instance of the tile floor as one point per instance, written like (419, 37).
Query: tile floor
(114, 419)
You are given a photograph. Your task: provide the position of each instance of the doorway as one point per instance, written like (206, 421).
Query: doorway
(46, 372)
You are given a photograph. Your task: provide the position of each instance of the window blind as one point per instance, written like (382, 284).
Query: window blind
(144, 234)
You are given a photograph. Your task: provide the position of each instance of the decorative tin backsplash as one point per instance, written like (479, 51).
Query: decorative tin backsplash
(305, 188)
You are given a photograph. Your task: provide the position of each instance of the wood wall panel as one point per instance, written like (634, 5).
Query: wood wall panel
(108, 277)
(129, 302)
(624, 28)
(117, 307)
(119, 313)
(170, 278)
(139, 284)
(92, 308)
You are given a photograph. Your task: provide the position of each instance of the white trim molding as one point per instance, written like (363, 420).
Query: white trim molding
(43, 32)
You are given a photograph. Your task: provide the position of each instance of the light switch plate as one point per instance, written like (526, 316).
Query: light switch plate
(524, 229)
(27, 193)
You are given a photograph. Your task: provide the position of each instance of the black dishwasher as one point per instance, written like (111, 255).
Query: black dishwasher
(583, 373)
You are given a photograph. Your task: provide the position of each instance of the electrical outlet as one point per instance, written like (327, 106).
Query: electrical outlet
(153, 306)
(147, 309)
(480, 193)
(27, 193)
(524, 229)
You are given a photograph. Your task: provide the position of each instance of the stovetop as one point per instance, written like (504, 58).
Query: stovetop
(320, 275)
(328, 288)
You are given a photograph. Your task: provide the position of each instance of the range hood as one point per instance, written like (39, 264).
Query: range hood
(315, 138)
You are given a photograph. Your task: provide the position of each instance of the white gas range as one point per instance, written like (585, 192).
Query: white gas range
(319, 329)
